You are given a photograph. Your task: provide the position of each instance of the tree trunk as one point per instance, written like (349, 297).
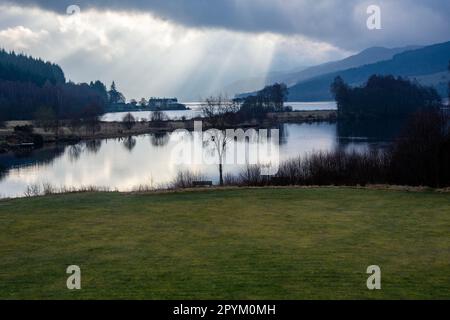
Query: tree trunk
(221, 174)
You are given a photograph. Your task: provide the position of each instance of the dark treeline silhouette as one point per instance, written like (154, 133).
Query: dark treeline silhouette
(28, 85)
(420, 156)
(19, 67)
(269, 99)
(220, 111)
(383, 97)
(449, 84)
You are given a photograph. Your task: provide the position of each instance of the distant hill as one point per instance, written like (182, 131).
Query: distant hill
(367, 56)
(427, 65)
(255, 83)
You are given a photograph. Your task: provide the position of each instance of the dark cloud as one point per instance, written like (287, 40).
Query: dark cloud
(342, 23)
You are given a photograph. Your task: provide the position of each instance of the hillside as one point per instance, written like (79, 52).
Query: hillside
(367, 56)
(425, 64)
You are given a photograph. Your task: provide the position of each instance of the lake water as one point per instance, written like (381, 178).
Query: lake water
(124, 164)
(196, 110)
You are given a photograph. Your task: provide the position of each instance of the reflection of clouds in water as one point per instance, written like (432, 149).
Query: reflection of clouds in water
(108, 163)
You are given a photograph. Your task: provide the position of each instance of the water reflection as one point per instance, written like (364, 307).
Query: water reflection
(284, 133)
(376, 130)
(133, 161)
(39, 157)
(93, 146)
(74, 152)
(129, 143)
(159, 139)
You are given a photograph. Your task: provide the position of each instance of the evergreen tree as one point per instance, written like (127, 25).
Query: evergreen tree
(114, 95)
(28, 85)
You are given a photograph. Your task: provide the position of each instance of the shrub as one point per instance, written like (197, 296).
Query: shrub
(24, 129)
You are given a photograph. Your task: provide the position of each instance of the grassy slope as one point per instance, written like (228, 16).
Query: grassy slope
(230, 244)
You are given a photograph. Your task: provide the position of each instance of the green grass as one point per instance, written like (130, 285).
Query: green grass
(228, 244)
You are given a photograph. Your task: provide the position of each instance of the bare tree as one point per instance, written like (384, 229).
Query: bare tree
(218, 140)
(219, 111)
(158, 117)
(128, 121)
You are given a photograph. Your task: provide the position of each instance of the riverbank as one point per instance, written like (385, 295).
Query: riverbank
(9, 139)
(266, 243)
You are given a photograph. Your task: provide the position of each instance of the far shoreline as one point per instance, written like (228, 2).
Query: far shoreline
(116, 129)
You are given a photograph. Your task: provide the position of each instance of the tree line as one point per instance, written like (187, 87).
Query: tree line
(383, 97)
(269, 99)
(30, 86)
(22, 68)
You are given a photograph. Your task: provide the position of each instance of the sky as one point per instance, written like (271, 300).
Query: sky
(195, 48)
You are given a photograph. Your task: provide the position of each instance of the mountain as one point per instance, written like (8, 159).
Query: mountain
(368, 56)
(255, 83)
(427, 64)
(292, 77)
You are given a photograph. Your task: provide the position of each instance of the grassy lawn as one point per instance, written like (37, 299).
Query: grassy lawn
(227, 244)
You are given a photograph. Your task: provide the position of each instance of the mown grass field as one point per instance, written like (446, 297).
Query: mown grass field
(227, 244)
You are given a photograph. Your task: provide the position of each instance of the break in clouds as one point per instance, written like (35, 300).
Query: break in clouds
(196, 48)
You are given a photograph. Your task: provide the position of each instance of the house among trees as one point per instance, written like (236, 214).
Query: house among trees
(165, 104)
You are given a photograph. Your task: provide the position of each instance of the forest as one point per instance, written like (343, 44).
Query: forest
(383, 97)
(28, 85)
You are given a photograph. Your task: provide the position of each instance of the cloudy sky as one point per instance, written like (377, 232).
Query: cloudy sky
(194, 48)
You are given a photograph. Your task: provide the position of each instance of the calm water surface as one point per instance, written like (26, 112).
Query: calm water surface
(124, 164)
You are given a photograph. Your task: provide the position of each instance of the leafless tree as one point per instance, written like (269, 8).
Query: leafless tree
(219, 111)
(128, 121)
(158, 117)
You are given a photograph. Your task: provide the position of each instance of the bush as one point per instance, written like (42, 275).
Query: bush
(38, 140)
(421, 154)
(185, 179)
(24, 129)
(128, 121)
